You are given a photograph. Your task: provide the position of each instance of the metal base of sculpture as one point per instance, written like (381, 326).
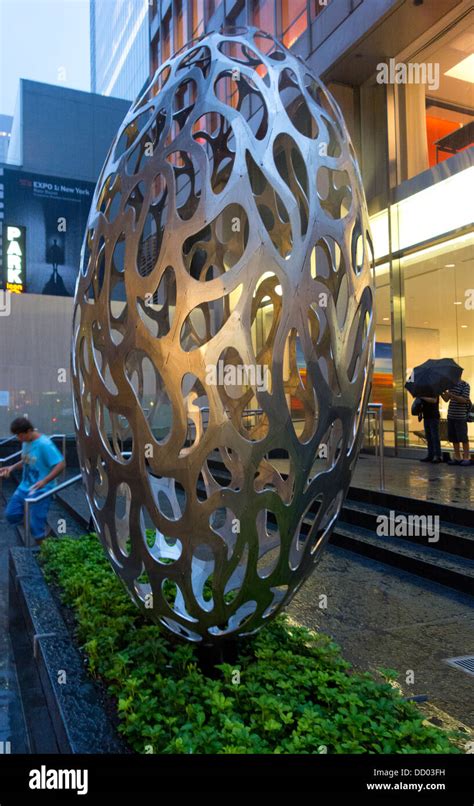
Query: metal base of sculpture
(223, 332)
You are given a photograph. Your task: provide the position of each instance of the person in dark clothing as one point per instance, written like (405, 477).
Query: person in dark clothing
(459, 405)
(431, 418)
(55, 255)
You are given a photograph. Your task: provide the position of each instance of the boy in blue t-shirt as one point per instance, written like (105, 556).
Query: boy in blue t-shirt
(41, 462)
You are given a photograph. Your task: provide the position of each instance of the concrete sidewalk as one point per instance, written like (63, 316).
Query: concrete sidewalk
(385, 618)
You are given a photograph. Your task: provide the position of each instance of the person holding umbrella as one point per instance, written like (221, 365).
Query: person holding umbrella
(429, 380)
(459, 406)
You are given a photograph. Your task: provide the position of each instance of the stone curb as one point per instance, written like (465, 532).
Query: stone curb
(80, 723)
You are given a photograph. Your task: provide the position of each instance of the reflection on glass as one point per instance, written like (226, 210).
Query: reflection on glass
(439, 315)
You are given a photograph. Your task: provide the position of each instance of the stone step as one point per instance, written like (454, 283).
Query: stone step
(455, 515)
(452, 538)
(427, 562)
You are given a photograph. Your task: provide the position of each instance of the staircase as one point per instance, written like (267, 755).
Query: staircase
(447, 557)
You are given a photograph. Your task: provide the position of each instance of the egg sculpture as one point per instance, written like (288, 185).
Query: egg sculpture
(222, 341)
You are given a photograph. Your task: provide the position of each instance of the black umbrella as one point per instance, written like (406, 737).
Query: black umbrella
(433, 377)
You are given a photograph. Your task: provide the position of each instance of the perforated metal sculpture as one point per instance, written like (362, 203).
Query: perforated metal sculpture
(223, 335)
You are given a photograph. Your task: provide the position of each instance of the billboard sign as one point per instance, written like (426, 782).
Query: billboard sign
(52, 213)
(14, 258)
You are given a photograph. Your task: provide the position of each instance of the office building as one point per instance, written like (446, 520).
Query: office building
(5, 131)
(59, 141)
(413, 136)
(119, 41)
(413, 139)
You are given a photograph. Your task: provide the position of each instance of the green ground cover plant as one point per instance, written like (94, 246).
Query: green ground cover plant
(296, 693)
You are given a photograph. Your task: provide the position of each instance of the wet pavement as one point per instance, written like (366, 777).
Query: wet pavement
(443, 483)
(386, 618)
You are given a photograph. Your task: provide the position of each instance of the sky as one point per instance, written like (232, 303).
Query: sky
(43, 40)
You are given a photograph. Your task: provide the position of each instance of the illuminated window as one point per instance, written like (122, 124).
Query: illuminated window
(180, 25)
(263, 14)
(294, 20)
(438, 324)
(439, 84)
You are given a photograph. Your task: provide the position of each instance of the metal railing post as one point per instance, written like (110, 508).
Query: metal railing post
(381, 449)
(64, 455)
(27, 524)
(376, 409)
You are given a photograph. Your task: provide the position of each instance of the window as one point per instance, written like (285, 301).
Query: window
(382, 382)
(263, 14)
(165, 40)
(450, 98)
(435, 101)
(197, 17)
(227, 91)
(438, 320)
(155, 55)
(180, 25)
(294, 20)
(210, 8)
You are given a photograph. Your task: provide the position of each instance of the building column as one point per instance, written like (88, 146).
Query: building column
(397, 287)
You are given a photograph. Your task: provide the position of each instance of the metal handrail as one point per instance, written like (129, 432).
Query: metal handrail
(29, 501)
(376, 409)
(7, 439)
(7, 458)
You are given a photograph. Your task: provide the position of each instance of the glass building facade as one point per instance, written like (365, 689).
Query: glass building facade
(414, 139)
(5, 134)
(119, 35)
